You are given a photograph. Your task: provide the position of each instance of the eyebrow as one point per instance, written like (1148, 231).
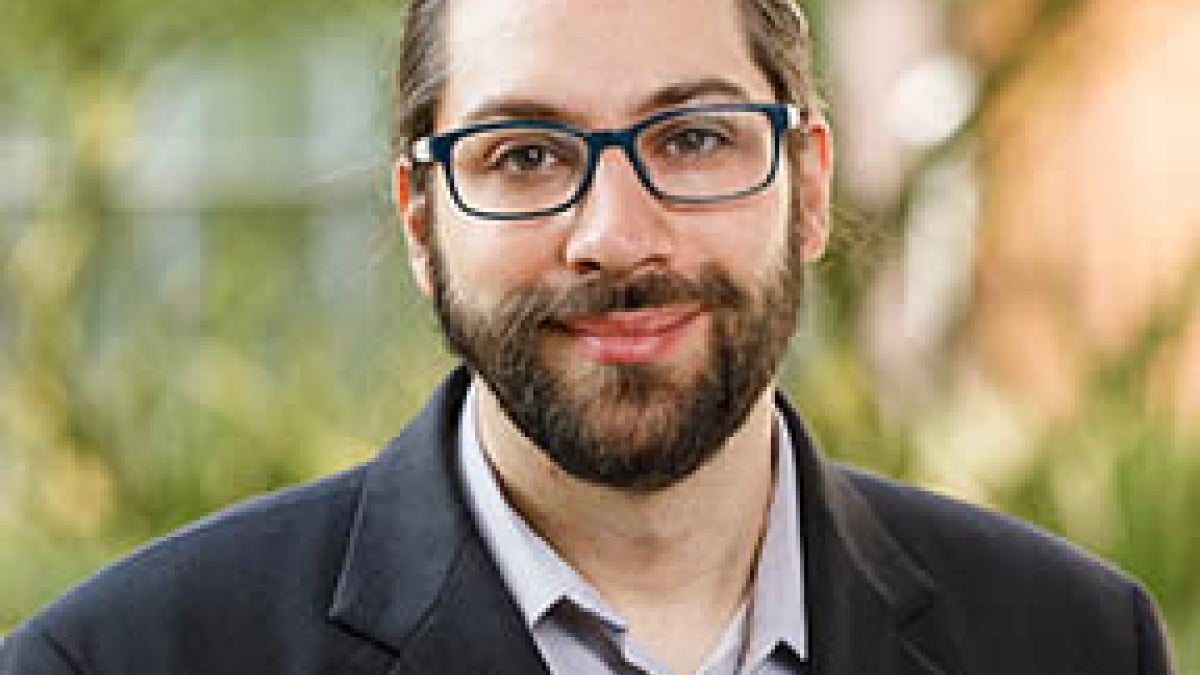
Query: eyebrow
(669, 96)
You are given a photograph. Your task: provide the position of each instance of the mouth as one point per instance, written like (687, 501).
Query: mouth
(635, 336)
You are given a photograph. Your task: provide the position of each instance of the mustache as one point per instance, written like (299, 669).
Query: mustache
(605, 291)
(611, 292)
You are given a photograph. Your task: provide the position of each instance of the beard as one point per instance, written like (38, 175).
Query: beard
(640, 427)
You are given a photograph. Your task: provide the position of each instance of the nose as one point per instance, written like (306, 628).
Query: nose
(618, 226)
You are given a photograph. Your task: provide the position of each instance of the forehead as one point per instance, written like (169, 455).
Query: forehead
(597, 59)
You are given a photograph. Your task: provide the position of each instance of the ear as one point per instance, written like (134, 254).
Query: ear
(811, 185)
(414, 218)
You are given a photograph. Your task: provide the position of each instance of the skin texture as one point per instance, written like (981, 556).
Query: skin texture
(676, 561)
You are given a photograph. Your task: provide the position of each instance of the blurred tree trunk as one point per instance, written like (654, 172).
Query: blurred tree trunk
(1091, 222)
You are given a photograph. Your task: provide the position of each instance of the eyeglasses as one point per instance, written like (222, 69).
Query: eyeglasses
(529, 168)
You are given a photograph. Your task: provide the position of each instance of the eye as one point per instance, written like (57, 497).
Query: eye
(524, 158)
(694, 141)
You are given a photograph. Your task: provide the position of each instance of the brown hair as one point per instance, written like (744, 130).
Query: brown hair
(776, 31)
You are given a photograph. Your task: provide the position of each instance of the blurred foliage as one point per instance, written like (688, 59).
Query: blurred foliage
(156, 365)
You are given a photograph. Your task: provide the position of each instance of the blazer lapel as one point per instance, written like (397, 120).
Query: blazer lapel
(473, 628)
(871, 609)
(416, 578)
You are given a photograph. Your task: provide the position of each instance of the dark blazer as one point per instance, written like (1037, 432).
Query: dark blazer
(379, 570)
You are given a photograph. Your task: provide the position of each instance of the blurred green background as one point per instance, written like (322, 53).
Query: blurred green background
(202, 297)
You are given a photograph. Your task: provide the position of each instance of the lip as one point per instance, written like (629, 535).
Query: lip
(638, 336)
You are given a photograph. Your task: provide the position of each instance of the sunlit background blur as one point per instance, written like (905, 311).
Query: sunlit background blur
(201, 296)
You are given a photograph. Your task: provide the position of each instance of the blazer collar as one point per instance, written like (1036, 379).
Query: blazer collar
(871, 608)
(417, 579)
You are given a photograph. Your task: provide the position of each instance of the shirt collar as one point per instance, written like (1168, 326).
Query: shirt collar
(778, 608)
(538, 578)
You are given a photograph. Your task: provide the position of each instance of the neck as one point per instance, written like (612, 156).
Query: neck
(690, 547)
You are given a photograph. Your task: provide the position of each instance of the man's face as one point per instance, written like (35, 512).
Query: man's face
(628, 338)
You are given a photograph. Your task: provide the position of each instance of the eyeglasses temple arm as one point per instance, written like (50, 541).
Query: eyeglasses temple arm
(421, 152)
(797, 117)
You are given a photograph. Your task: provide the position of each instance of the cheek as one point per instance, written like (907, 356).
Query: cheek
(484, 261)
(749, 238)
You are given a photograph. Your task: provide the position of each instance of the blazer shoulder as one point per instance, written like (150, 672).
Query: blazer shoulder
(1003, 576)
(270, 557)
(946, 534)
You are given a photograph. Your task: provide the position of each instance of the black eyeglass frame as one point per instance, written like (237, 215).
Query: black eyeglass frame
(439, 148)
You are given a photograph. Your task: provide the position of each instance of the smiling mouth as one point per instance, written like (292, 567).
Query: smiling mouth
(635, 336)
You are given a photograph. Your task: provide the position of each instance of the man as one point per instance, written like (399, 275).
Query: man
(611, 204)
